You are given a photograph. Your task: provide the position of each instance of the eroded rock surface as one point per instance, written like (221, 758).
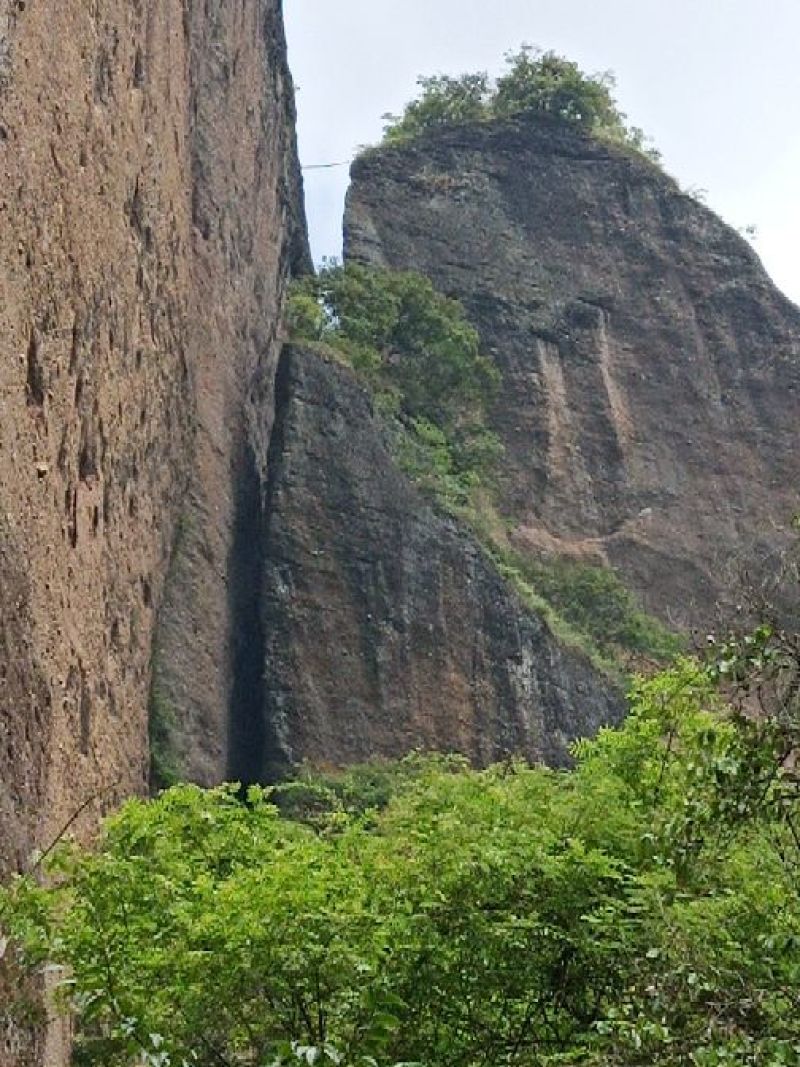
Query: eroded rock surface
(387, 629)
(651, 370)
(150, 211)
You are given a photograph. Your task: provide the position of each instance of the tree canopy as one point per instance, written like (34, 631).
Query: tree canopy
(535, 82)
(640, 909)
(420, 357)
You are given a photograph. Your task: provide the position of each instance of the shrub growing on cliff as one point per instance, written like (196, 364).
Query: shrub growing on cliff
(443, 101)
(419, 355)
(642, 909)
(596, 603)
(535, 82)
(552, 85)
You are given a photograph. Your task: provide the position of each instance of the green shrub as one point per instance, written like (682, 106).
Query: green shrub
(552, 85)
(587, 607)
(420, 357)
(394, 323)
(305, 317)
(164, 764)
(596, 602)
(536, 82)
(444, 101)
(318, 798)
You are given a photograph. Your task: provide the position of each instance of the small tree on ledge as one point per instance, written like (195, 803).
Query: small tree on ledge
(536, 82)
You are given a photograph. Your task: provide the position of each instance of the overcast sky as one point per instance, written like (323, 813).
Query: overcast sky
(716, 83)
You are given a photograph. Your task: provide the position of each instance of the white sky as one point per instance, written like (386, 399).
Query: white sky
(716, 83)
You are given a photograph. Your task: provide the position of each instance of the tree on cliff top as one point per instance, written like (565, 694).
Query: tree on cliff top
(444, 101)
(552, 85)
(536, 82)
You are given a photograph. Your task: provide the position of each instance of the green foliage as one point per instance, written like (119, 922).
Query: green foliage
(449, 468)
(587, 607)
(422, 361)
(320, 798)
(162, 724)
(595, 602)
(642, 909)
(444, 101)
(535, 82)
(552, 85)
(305, 316)
(164, 769)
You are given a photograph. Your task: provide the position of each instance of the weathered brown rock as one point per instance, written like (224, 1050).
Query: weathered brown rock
(150, 211)
(651, 371)
(248, 236)
(387, 628)
(27, 716)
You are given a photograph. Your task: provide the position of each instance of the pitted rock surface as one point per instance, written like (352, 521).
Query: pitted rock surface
(150, 212)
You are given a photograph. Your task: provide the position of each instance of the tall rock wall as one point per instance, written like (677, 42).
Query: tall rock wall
(248, 236)
(150, 211)
(651, 371)
(386, 627)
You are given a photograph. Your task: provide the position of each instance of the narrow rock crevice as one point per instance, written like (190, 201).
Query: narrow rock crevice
(253, 746)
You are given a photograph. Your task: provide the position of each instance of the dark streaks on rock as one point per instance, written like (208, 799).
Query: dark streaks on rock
(387, 629)
(651, 370)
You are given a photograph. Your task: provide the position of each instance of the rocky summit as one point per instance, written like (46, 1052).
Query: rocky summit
(650, 368)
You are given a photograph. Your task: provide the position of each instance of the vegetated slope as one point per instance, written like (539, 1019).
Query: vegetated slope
(150, 212)
(651, 371)
(386, 627)
(641, 909)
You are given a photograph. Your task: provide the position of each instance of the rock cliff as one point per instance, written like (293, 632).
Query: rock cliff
(386, 627)
(651, 371)
(181, 529)
(150, 212)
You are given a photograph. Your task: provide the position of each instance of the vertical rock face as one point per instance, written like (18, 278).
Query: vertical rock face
(387, 629)
(150, 211)
(651, 371)
(248, 235)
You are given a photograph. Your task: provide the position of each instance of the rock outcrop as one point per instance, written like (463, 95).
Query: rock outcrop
(386, 627)
(651, 371)
(150, 212)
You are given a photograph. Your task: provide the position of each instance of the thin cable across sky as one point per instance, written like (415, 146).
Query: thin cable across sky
(716, 84)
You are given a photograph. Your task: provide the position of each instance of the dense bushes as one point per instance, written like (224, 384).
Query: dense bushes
(421, 359)
(535, 82)
(551, 85)
(642, 909)
(594, 602)
(444, 101)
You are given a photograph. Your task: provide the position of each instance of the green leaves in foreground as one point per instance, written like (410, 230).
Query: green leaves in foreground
(642, 909)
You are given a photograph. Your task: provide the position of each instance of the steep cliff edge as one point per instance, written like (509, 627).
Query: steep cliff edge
(150, 212)
(651, 371)
(386, 627)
